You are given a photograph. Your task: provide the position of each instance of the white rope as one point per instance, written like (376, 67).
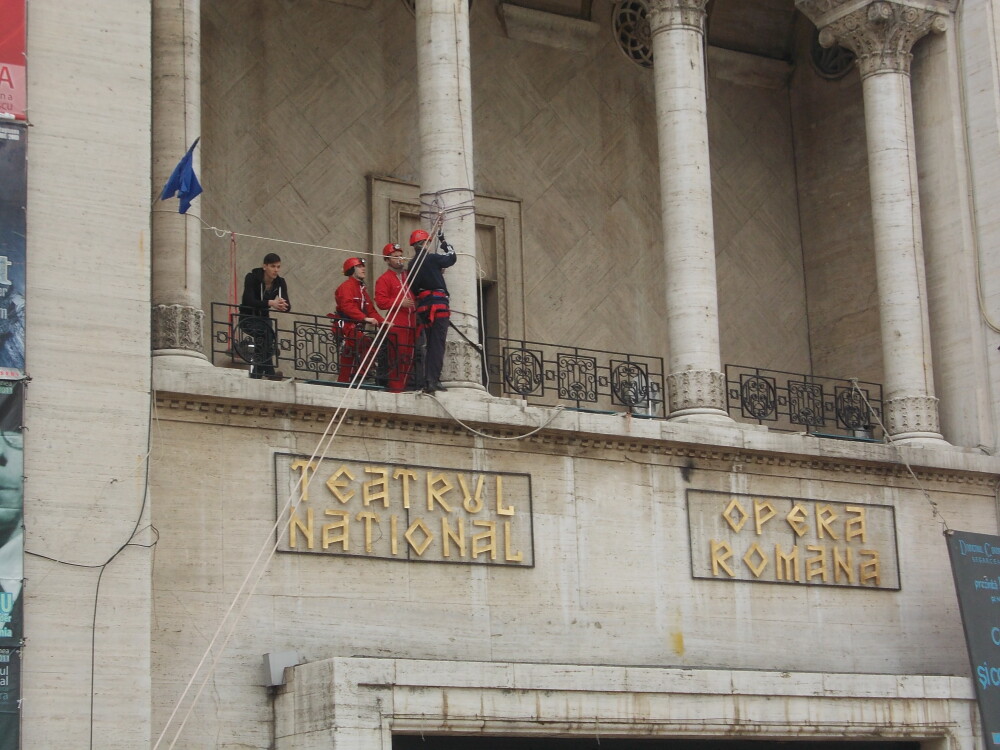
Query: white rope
(319, 455)
(557, 409)
(220, 232)
(927, 496)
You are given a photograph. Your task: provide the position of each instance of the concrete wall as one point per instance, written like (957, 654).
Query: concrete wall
(969, 55)
(839, 259)
(303, 101)
(612, 580)
(951, 250)
(87, 411)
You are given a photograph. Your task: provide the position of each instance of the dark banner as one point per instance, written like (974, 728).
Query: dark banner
(10, 698)
(11, 513)
(13, 95)
(13, 197)
(975, 563)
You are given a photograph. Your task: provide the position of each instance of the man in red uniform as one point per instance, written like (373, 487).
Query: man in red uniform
(389, 296)
(354, 308)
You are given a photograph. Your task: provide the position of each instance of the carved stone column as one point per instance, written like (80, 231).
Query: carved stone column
(882, 33)
(695, 383)
(176, 252)
(444, 90)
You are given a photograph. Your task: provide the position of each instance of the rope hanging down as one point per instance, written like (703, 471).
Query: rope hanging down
(935, 511)
(247, 587)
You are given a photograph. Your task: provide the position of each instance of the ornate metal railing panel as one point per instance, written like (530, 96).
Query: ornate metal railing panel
(306, 346)
(547, 374)
(804, 403)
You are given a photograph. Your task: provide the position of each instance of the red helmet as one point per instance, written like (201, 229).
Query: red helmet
(391, 248)
(350, 264)
(418, 235)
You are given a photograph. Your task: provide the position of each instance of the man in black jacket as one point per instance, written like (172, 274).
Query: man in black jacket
(426, 282)
(263, 290)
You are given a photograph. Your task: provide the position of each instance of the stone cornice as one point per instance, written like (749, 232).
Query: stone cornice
(880, 32)
(824, 12)
(211, 410)
(550, 29)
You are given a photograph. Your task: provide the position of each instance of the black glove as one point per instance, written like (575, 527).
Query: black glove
(445, 247)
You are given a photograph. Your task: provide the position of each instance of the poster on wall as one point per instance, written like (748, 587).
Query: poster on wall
(10, 698)
(975, 565)
(13, 197)
(11, 514)
(13, 98)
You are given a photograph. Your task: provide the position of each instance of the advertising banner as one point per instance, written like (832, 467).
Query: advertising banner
(13, 97)
(975, 564)
(10, 698)
(13, 198)
(11, 514)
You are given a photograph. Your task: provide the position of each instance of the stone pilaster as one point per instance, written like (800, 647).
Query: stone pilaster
(882, 33)
(677, 28)
(444, 92)
(176, 238)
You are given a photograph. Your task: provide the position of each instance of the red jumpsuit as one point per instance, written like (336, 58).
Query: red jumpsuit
(353, 306)
(402, 335)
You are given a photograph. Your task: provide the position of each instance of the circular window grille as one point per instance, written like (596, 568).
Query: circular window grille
(631, 24)
(832, 62)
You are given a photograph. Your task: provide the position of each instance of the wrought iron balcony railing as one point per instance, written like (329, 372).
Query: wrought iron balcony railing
(310, 346)
(546, 374)
(804, 403)
(313, 348)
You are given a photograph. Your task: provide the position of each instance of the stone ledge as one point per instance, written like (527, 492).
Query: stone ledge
(632, 679)
(550, 29)
(748, 70)
(403, 695)
(203, 392)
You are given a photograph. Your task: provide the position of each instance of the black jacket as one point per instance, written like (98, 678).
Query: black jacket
(256, 297)
(429, 276)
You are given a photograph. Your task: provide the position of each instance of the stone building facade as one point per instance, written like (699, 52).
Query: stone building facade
(786, 186)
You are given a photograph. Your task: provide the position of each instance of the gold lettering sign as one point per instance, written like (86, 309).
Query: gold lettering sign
(346, 507)
(759, 538)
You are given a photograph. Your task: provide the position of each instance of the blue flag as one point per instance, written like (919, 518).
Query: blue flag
(183, 181)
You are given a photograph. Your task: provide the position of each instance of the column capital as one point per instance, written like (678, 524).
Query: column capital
(880, 32)
(669, 14)
(913, 419)
(177, 328)
(697, 392)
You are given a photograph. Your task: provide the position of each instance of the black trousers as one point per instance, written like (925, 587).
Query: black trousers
(437, 334)
(258, 340)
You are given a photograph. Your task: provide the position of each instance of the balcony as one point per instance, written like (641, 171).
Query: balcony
(312, 348)
(793, 402)
(585, 379)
